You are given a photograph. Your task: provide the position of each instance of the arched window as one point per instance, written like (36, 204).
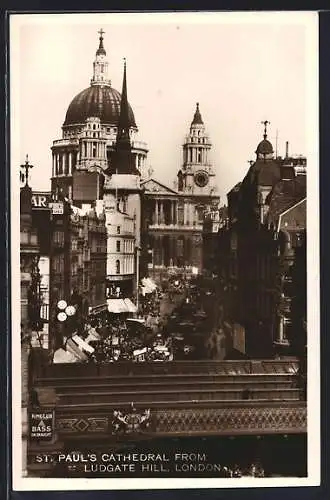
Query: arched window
(117, 266)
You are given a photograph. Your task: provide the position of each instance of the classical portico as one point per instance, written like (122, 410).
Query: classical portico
(175, 216)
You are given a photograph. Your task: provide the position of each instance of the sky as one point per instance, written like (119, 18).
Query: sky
(241, 68)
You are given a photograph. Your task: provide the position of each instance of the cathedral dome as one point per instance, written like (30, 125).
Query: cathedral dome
(101, 101)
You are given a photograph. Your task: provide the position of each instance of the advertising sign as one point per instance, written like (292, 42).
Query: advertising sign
(42, 425)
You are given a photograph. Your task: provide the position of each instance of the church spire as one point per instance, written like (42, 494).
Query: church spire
(100, 64)
(197, 120)
(123, 124)
(123, 159)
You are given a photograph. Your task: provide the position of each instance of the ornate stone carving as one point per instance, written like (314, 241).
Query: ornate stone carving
(217, 421)
(130, 422)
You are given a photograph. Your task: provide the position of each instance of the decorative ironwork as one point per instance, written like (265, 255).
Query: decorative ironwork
(220, 421)
(131, 422)
(224, 420)
(82, 425)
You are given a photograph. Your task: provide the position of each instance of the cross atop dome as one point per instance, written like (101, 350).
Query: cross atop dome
(101, 49)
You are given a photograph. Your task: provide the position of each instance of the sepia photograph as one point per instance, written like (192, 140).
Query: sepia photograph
(165, 288)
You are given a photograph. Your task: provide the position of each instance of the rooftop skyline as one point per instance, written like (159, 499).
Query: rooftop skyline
(241, 68)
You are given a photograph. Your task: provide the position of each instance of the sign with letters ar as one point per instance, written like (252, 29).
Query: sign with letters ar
(42, 425)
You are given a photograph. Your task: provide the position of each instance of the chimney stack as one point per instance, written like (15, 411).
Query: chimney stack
(287, 149)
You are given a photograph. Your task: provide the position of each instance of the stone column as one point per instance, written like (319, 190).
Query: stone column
(156, 215)
(64, 164)
(162, 212)
(70, 163)
(185, 214)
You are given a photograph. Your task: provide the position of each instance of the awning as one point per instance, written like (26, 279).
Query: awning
(92, 336)
(82, 344)
(62, 356)
(73, 348)
(130, 306)
(118, 306)
(148, 285)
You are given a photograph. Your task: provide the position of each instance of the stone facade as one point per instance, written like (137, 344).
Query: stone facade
(257, 249)
(175, 217)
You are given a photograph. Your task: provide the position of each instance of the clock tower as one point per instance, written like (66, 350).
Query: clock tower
(197, 175)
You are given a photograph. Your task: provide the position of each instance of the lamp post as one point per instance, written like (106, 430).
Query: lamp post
(138, 250)
(65, 311)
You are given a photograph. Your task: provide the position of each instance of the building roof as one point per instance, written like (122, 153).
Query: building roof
(97, 101)
(263, 173)
(197, 120)
(152, 186)
(284, 195)
(264, 148)
(101, 50)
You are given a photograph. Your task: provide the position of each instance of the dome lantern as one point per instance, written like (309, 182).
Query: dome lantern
(100, 65)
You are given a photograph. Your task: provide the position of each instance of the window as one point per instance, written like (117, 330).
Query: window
(118, 245)
(118, 229)
(94, 149)
(117, 267)
(58, 238)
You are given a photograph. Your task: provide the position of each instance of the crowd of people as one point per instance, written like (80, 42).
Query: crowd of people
(156, 333)
(118, 337)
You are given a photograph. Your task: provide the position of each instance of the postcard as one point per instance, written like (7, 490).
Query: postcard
(165, 288)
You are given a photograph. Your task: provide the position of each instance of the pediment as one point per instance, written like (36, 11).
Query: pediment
(152, 186)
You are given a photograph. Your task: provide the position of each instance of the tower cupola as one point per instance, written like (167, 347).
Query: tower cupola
(265, 149)
(100, 64)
